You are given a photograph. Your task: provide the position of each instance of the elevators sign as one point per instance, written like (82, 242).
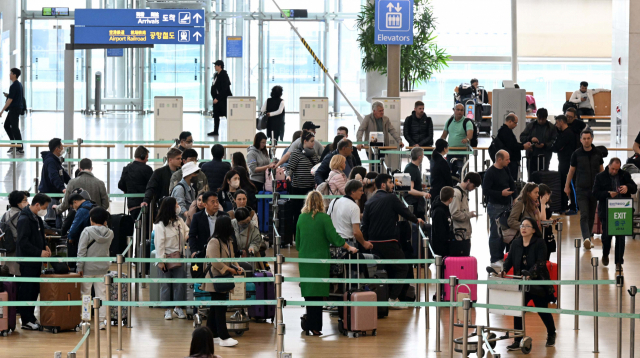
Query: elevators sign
(620, 217)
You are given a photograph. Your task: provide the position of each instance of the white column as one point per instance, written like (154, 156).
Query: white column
(514, 41)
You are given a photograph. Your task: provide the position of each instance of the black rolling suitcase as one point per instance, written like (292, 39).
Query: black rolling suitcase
(285, 218)
(553, 180)
(122, 226)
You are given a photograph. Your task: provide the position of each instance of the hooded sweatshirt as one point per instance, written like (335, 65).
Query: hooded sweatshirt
(255, 159)
(101, 237)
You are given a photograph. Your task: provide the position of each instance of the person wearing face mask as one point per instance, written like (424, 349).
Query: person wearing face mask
(158, 186)
(31, 243)
(186, 141)
(80, 222)
(196, 207)
(299, 169)
(183, 192)
(170, 236)
(248, 238)
(440, 171)
(200, 184)
(17, 202)
(241, 202)
(53, 177)
(227, 193)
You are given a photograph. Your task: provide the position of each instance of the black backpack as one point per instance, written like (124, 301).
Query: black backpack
(496, 145)
(474, 139)
(8, 241)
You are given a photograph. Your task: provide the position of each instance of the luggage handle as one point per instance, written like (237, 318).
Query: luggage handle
(68, 299)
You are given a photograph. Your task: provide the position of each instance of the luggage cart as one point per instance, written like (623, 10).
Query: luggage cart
(498, 294)
(472, 339)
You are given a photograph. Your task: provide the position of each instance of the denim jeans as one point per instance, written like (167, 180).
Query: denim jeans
(496, 245)
(587, 204)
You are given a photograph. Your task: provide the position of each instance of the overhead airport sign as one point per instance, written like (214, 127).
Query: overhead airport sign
(139, 27)
(394, 22)
(138, 17)
(139, 35)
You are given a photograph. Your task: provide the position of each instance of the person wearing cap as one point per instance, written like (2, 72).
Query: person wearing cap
(200, 183)
(296, 146)
(183, 192)
(88, 182)
(220, 90)
(376, 121)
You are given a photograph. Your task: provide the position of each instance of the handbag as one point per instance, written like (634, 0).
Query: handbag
(173, 255)
(261, 121)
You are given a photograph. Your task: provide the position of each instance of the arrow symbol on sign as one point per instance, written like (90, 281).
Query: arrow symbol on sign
(197, 17)
(398, 8)
(390, 7)
(196, 35)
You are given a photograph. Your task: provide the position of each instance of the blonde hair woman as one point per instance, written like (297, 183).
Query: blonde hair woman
(314, 234)
(337, 178)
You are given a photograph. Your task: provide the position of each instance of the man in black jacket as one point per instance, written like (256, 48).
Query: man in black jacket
(441, 226)
(511, 145)
(418, 128)
(439, 168)
(134, 179)
(586, 163)
(345, 148)
(576, 124)
(379, 227)
(216, 169)
(31, 243)
(158, 186)
(565, 145)
(203, 224)
(541, 133)
(613, 182)
(220, 90)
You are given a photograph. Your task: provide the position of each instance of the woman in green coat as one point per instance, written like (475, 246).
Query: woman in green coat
(314, 234)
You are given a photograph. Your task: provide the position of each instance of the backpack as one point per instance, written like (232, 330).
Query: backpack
(8, 241)
(325, 189)
(496, 145)
(465, 89)
(474, 139)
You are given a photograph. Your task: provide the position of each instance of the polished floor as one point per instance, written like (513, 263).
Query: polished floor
(401, 334)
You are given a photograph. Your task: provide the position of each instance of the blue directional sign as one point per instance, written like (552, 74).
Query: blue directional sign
(123, 35)
(115, 52)
(138, 17)
(394, 22)
(234, 46)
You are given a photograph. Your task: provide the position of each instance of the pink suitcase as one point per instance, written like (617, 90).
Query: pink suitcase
(359, 320)
(7, 314)
(464, 268)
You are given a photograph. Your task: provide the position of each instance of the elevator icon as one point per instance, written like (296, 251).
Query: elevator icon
(394, 20)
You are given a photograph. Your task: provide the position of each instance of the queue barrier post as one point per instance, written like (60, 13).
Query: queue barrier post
(108, 280)
(71, 355)
(14, 168)
(425, 243)
(96, 323)
(438, 259)
(633, 290)
(466, 305)
(108, 167)
(85, 327)
(619, 286)
(119, 262)
(453, 282)
(577, 244)
(559, 260)
(480, 351)
(594, 264)
(129, 285)
(281, 330)
(137, 247)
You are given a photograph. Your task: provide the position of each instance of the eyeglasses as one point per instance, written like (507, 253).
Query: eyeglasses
(190, 141)
(526, 227)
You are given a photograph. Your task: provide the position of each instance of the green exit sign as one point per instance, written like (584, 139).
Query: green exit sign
(295, 13)
(620, 217)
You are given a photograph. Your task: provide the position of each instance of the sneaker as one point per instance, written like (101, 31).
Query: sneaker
(391, 300)
(515, 346)
(103, 325)
(570, 212)
(497, 265)
(587, 244)
(20, 151)
(605, 260)
(229, 342)
(179, 312)
(167, 315)
(216, 341)
(551, 340)
(31, 326)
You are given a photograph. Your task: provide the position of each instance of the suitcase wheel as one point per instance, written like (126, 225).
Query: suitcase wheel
(356, 335)
(341, 327)
(41, 329)
(54, 330)
(190, 317)
(5, 333)
(374, 333)
(77, 328)
(239, 333)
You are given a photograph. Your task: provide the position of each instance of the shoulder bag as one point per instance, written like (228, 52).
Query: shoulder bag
(173, 255)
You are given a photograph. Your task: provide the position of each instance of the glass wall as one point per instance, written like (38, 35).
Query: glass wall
(176, 70)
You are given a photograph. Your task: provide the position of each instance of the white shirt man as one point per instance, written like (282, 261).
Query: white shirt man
(345, 214)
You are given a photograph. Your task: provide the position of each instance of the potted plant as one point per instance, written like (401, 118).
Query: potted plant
(418, 61)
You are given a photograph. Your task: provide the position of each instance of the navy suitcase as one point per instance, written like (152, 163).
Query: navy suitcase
(263, 212)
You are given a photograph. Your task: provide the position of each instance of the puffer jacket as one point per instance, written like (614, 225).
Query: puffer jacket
(54, 177)
(337, 181)
(99, 238)
(255, 159)
(418, 130)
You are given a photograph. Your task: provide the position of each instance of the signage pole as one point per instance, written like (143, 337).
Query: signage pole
(68, 87)
(393, 70)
